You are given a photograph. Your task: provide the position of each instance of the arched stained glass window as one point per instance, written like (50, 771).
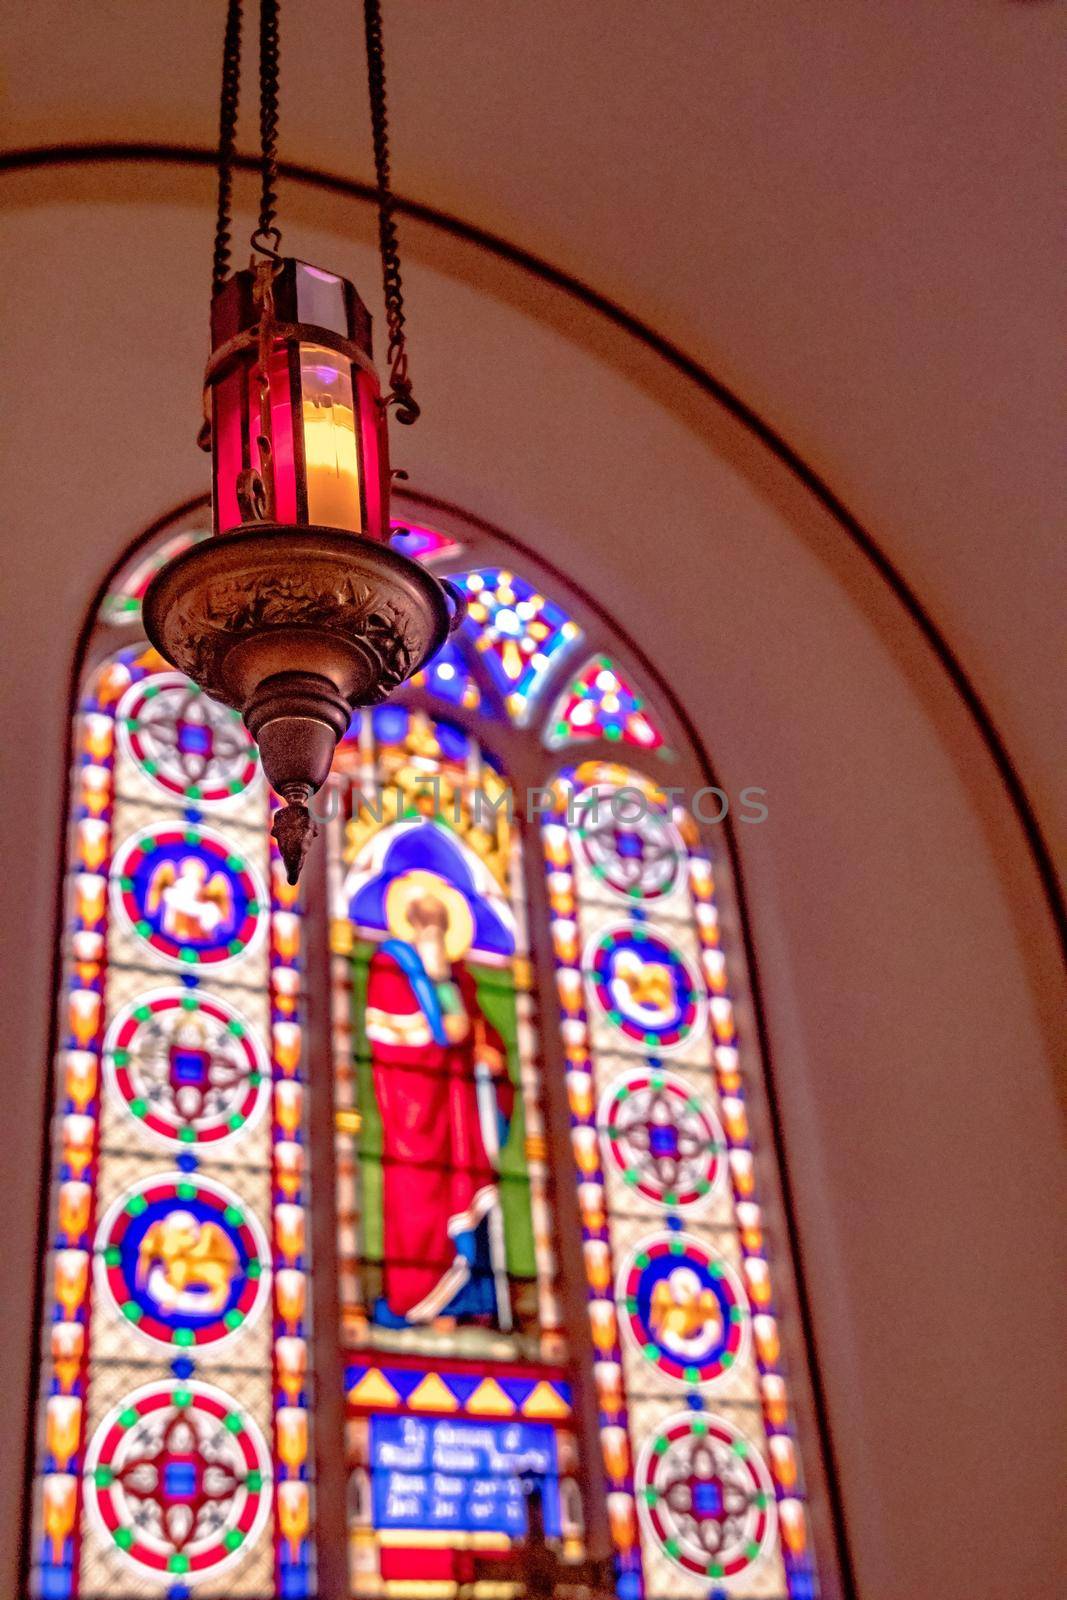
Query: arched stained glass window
(374, 1206)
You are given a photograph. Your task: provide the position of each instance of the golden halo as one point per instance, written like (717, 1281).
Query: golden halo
(415, 885)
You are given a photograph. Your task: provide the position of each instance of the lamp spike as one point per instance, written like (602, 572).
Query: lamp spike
(294, 829)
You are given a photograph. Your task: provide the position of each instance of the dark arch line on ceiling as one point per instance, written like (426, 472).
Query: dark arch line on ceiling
(103, 153)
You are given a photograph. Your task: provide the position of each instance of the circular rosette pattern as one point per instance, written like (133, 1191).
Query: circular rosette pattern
(178, 1482)
(187, 1066)
(633, 850)
(185, 742)
(705, 1495)
(663, 1138)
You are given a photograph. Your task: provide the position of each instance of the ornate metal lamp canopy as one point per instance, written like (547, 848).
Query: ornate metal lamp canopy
(298, 610)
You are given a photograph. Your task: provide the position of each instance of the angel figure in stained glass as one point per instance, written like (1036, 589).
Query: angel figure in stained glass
(196, 904)
(641, 986)
(187, 1264)
(683, 1311)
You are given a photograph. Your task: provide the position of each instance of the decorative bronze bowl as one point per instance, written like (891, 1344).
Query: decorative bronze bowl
(295, 627)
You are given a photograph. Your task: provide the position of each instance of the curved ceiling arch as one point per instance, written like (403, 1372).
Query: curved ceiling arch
(666, 351)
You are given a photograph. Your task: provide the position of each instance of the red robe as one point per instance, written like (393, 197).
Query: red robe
(439, 1182)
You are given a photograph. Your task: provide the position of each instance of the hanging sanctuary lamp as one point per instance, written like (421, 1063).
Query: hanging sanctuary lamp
(297, 610)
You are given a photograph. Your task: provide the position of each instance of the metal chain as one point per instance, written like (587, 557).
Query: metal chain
(231, 89)
(407, 410)
(267, 237)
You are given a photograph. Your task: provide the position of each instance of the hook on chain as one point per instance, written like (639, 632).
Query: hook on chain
(267, 242)
(269, 78)
(407, 409)
(267, 238)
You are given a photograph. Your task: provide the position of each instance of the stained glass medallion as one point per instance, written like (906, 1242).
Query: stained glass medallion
(187, 1066)
(683, 1307)
(645, 985)
(601, 703)
(633, 850)
(186, 742)
(663, 1138)
(706, 1496)
(178, 1482)
(183, 1260)
(519, 633)
(189, 894)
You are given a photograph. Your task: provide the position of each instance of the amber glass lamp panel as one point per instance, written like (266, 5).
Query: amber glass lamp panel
(331, 453)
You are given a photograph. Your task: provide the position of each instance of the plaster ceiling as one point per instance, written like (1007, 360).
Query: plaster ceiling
(847, 211)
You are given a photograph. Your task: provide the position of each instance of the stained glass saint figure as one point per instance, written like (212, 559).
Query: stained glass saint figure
(441, 1081)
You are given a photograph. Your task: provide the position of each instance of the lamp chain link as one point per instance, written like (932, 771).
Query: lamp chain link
(407, 410)
(228, 104)
(268, 237)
